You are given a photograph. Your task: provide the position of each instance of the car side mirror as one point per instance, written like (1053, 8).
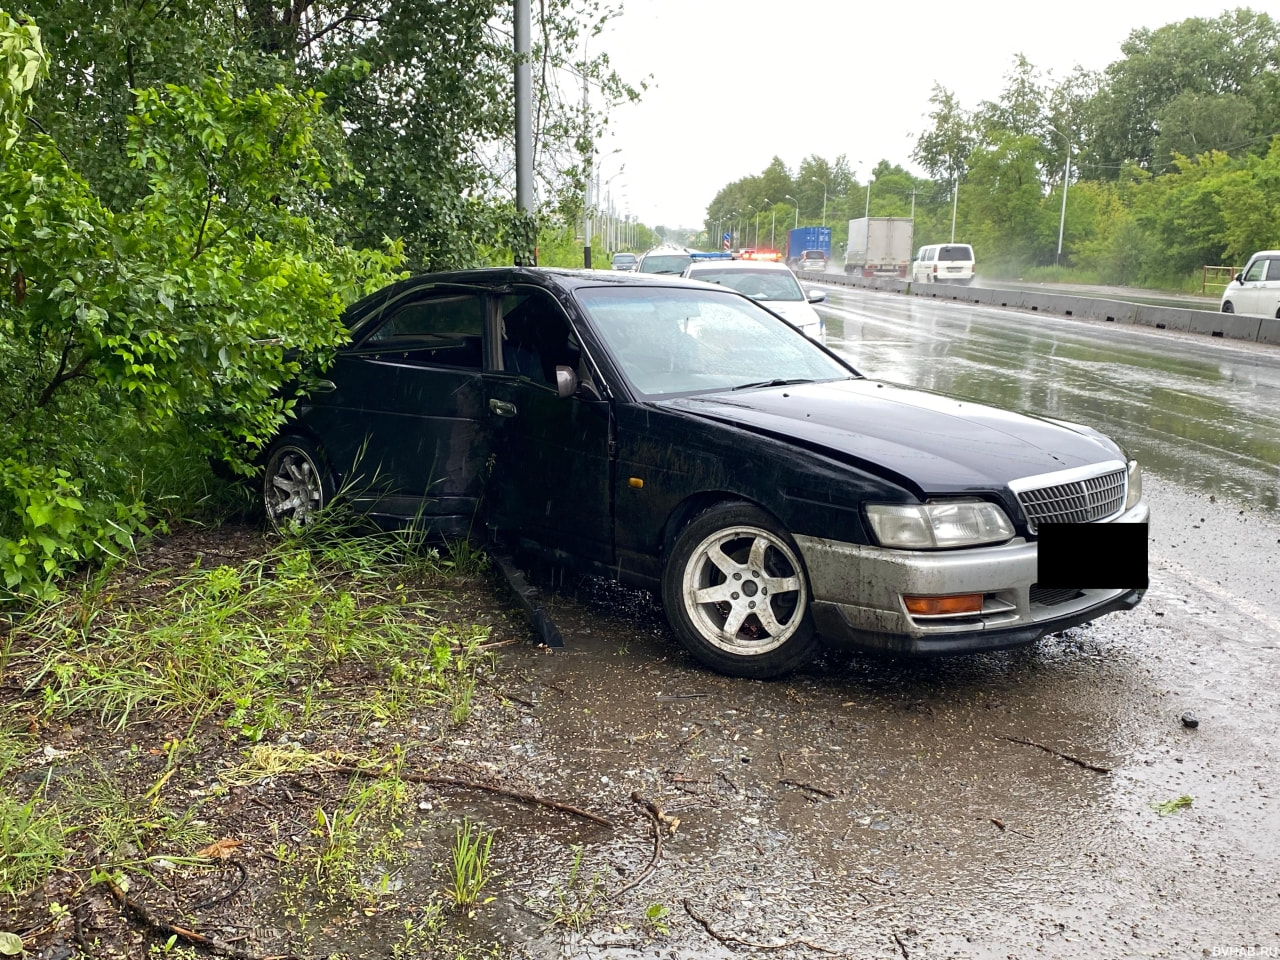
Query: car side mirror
(817, 296)
(1239, 278)
(566, 382)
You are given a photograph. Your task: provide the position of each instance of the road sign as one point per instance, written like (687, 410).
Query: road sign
(728, 238)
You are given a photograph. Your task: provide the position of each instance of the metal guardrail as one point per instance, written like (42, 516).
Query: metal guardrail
(1233, 326)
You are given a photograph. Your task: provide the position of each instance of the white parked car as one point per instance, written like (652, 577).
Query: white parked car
(943, 263)
(771, 284)
(1256, 289)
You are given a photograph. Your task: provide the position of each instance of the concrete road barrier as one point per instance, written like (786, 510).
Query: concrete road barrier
(1179, 319)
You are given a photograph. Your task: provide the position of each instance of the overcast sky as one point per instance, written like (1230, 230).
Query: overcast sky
(737, 81)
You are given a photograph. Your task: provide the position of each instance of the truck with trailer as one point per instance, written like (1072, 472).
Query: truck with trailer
(879, 246)
(807, 238)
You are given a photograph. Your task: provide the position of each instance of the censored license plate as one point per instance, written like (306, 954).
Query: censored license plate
(1092, 556)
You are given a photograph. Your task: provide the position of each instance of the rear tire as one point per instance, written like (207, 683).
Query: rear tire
(736, 593)
(296, 482)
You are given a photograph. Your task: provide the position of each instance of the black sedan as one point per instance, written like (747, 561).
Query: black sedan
(680, 437)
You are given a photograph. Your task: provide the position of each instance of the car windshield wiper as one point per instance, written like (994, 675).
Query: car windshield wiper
(772, 383)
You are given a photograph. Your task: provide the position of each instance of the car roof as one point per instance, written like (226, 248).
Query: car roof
(552, 278)
(699, 265)
(1265, 253)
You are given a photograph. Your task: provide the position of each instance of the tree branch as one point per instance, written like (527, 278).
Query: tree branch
(203, 223)
(63, 374)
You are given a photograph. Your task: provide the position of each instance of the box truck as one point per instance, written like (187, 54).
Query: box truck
(879, 246)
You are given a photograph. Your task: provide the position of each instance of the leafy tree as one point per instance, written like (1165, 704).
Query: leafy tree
(183, 315)
(1236, 53)
(943, 149)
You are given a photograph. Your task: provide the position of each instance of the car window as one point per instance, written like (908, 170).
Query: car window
(665, 263)
(756, 284)
(1273, 272)
(813, 255)
(669, 340)
(1255, 270)
(536, 338)
(441, 331)
(956, 252)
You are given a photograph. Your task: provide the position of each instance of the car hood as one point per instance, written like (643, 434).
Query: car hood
(938, 444)
(798, 313)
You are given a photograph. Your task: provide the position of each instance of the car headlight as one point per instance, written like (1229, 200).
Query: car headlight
(1134, 486)
(938, 524)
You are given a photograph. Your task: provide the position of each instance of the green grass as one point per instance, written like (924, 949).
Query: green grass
(260, 643)
(469, 868)
(31, 832)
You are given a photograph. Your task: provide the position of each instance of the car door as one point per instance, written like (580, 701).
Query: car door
(1269, 290)
(1249, 292)
(404, 423)
(551, 478)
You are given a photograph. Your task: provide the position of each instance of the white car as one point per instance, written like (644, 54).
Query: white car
(771, 284)
(1256, 289)
(943, 263)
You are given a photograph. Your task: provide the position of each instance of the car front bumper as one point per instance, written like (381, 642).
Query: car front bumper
(858, 595)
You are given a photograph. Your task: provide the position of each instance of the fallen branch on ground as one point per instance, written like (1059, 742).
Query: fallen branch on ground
(1058, 753)
(434, 781)
(165, 930)
(808, 786)
(727, 939)
(655, 816)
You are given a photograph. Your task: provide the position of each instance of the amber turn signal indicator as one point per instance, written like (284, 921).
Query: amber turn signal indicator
(939, 606)
(636, 482)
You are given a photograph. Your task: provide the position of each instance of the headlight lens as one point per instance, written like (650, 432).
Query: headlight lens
(1134, 486)
(940, 524)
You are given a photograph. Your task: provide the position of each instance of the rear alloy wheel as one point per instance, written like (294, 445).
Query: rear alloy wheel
(736, 594)
(296, 483)
(1228, 308)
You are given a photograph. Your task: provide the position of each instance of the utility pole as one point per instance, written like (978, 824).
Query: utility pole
(586, 197)
(955, 202)
(524, 128)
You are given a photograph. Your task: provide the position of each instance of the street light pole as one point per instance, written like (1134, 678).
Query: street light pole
(824, 198)
(787, 196)
(955, 201)
(1066, 179)
(758, 212)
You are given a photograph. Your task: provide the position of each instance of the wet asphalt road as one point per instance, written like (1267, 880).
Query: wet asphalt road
(999, 806)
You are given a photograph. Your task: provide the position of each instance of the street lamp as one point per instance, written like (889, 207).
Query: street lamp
(824, 198)
(955, 200)
(758, 212)
(746, 218)
(1066, 179)
(787, 196)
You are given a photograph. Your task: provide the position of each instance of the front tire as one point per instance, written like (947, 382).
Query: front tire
(296, 482)
(1228, 308)
(736, 594)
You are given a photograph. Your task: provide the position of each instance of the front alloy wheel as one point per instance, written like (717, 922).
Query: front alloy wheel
(295, 483)
(736, 593)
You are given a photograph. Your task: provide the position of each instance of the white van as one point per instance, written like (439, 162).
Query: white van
(943, 263)
(1255, 289)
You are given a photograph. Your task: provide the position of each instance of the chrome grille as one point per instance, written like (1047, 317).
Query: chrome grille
(1079, 501)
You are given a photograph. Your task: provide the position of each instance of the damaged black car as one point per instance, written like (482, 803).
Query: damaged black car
(680, 437)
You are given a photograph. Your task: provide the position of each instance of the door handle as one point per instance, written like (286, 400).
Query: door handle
(502, 408)
(324, 386)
